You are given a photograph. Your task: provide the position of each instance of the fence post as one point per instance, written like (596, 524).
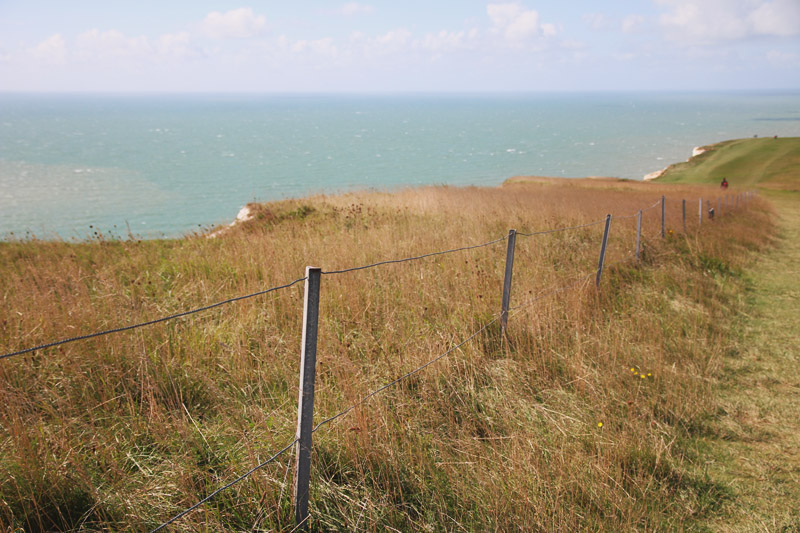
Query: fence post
(638, 234)
(700, 213)
(719, 206)
(512, 240)
(305, 402)
(684, 215)
(603, 252)
(663, 216)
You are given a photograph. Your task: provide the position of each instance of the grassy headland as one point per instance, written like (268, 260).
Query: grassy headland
(766, 163)
(589, 417)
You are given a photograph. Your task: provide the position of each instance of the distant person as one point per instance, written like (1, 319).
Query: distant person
(724, 183)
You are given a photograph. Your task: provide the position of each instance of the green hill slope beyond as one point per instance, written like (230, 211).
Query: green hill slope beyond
(767, 162)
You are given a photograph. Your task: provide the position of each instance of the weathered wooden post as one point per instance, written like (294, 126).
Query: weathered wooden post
(700, 213)
(602, 252)
(684, 215)
(305, 402)
(663, 216)
(512, 240)
(638, 234)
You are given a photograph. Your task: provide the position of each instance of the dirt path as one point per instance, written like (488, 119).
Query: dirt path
(756, 442)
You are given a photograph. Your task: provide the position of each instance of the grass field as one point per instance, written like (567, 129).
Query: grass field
(591, 416)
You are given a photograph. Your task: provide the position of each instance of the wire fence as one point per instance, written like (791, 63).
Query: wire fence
(149, 322)
(414, 258)
(558, 230)
(303, 443)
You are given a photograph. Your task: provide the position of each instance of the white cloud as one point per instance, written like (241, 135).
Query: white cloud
(112, 48)
(52, 50)
(702, 21)
(783, 59)
(354, 8)
(394, 39)
(632, 23)
(596, 21)
(361, 45)
(321, 47)
(517, 23)
(235, 24)
(780, 17)
(177, 46)
(709, 21)
(448, 41)
(111, 44)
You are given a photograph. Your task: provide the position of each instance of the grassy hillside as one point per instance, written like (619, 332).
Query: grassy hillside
(587, 418)
(766, 162)
(752, 439)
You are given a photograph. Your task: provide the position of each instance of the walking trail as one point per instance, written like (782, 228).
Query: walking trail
(755, 441)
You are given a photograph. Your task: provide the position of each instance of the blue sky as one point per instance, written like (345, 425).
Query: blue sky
(382, 46)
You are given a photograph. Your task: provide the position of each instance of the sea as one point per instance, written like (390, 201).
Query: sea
(163, 166)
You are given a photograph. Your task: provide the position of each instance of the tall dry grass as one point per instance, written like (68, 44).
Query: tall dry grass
(121, 432)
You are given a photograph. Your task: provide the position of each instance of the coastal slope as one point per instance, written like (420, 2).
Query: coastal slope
(769, 163)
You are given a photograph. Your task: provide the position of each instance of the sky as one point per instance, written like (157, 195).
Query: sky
(392, 46)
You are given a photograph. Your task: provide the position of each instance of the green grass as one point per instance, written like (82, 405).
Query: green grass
(750, 441)
(765, 162)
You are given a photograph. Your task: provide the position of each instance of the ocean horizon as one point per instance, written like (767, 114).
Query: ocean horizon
(164, 165)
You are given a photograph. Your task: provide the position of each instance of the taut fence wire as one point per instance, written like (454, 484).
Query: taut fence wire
(149, 322)
(414, 258)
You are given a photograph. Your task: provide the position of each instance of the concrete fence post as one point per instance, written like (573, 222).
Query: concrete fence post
(305, 402)
(512, 241)
(603, 252)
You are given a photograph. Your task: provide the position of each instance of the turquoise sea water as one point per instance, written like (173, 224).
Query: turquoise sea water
(164, 165)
